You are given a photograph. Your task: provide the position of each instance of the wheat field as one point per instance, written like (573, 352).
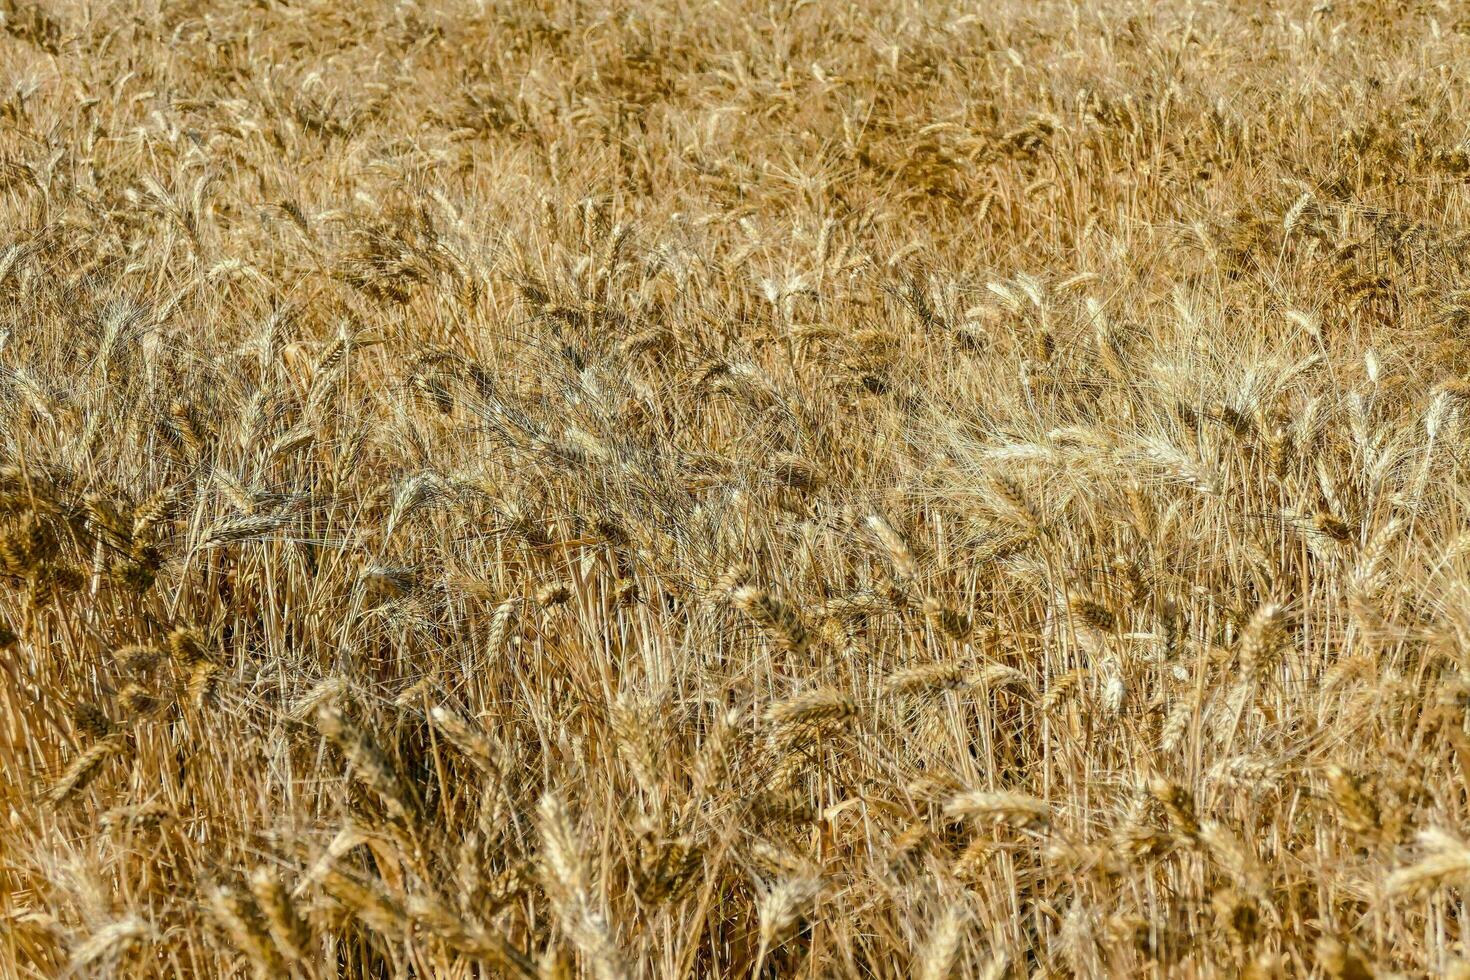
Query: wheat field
(563, 488)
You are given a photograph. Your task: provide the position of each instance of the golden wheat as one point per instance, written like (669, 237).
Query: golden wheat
(743, 490)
